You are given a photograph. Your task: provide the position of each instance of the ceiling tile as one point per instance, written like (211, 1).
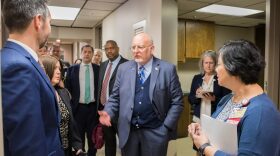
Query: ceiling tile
(101, 5)
(65, 23)
(195, 15)
(186, 6)
(67, 3)
(240, 3)
(85, 23)
(259, 6)
(113, 1)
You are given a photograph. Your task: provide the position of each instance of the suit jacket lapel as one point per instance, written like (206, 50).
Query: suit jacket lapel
(132, 78)
(77, 76)
(154, 75)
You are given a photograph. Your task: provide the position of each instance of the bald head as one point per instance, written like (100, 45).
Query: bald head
(143, 48)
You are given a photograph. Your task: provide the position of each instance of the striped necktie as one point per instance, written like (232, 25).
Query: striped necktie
(141, 74)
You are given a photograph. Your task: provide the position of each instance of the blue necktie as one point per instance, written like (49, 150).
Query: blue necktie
(141, 74)
(87, 85)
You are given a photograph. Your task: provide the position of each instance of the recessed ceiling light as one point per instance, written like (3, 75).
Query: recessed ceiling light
(63, 13)
(228, 10)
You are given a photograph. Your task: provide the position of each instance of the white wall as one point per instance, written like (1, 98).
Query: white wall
(187, 70)
(119, 25)
(169, 31)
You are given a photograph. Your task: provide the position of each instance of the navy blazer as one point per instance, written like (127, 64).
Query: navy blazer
(165, 94)
(72, 83)
(219, 92)
(102, 71)
(30, 112)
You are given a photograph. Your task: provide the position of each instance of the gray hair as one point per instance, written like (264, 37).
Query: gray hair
(18, 14)
(208, 53)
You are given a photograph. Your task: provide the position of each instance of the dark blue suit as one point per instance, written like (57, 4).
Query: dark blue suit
(166, 97)
(219, 92)
(30, 112)
(84, 114)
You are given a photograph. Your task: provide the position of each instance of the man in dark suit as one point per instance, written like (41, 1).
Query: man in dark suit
(30, 112)
(82, 82)
(107, 76)
(146, 99)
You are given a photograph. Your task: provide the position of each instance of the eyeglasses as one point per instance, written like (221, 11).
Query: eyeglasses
(141, 48)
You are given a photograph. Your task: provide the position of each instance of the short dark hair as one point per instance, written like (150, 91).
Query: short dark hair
(114, 43)
(242, 58)
(87, 46)
(18, 14)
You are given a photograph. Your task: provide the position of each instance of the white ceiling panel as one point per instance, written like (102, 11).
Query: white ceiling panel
(67, 3)
(101, 5)
(65, 23)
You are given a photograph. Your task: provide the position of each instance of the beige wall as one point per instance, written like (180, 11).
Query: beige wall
(187, 70)
(119, 25)
(169, 31)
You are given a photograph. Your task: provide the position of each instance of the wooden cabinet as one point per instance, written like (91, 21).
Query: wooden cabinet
(197, 37)
(185, 119)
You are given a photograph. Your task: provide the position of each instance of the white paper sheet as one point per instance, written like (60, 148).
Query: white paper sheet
(222, 135)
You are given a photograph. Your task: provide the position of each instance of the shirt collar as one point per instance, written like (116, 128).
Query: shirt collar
(148, 65)
(27, 48)
(116, 60)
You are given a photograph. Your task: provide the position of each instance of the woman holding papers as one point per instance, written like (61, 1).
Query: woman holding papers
(255, 115)
(205, 91)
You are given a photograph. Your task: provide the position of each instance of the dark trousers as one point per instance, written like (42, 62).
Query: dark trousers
(146, 142)
(110, 139)
(86, 120)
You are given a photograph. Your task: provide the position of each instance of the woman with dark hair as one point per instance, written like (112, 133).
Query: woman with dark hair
(205, 91)
(68, 131)
(255, 115)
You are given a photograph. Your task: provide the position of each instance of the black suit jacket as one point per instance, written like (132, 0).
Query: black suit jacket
(102, 71)
(72, 83)
(75, 140)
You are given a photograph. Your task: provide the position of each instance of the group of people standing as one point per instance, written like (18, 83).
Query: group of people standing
(139, 100)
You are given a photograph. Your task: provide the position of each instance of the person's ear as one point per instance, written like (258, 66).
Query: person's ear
(38, 21)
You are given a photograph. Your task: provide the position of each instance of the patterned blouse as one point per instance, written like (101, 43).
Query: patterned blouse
(228, 109)
(65, 119)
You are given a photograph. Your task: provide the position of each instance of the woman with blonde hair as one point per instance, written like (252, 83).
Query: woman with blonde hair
(205, 91)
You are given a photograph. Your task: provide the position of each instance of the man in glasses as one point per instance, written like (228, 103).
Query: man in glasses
(146, 99)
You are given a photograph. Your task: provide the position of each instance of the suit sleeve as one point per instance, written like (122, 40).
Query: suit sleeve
(68, 80)
(176, 101)
(22, 111)
(112, 105)
(193, 100)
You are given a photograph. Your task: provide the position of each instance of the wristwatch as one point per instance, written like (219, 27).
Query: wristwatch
(202, 148)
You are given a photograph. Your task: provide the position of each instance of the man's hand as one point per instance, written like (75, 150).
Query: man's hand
(104, 118)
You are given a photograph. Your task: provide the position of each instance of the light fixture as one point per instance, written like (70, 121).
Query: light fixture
(228, 10)
(63, 13)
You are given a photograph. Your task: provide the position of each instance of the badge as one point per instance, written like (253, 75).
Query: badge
(236, 115)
